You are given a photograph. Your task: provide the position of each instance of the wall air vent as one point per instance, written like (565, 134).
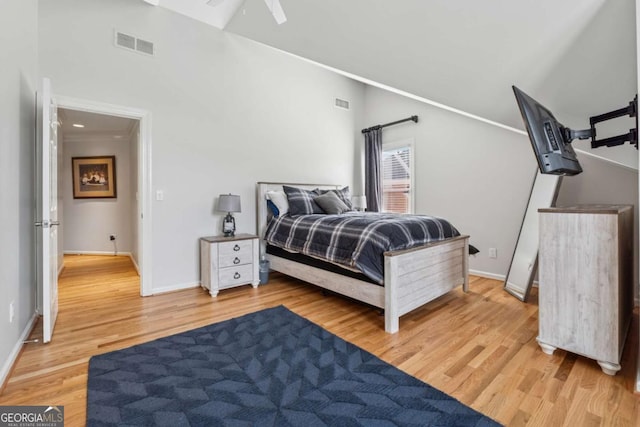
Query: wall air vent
(341, 103)
(130, 42)
(144, 46)
(125, 40)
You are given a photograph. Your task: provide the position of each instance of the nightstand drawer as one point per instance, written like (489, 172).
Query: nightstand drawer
(231, 276)
(239, 258)
(235, 248)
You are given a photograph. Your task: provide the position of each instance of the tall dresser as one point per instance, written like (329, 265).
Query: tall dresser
(586, 281)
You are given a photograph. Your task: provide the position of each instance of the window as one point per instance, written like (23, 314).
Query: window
(397, 177)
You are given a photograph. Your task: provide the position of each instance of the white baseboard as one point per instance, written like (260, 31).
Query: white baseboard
(135, 264)
(6, 369)
(488, 275)
(165, 289)
(97, 253)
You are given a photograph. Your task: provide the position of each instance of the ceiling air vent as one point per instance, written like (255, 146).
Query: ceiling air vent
(341, 103)
(130, 42)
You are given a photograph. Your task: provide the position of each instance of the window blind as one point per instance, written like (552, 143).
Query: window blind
(396, 180)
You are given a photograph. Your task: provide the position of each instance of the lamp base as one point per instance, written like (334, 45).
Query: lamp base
(229, 225)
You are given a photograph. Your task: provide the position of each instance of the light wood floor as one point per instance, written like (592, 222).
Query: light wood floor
(478, 347)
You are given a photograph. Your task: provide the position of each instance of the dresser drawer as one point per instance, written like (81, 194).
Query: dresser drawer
(231, 276)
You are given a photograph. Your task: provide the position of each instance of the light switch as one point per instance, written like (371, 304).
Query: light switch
(159, 195)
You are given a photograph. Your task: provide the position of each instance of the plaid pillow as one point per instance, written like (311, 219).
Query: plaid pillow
(343, 194)
(301, 201)
(331, 203)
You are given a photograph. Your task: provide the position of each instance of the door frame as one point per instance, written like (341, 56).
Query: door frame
(144, 175)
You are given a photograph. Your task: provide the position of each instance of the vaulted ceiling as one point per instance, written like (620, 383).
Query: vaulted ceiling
(578, 57)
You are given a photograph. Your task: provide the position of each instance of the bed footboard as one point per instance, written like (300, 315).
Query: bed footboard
(414, 277)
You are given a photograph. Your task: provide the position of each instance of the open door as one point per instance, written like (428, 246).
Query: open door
(47, 247)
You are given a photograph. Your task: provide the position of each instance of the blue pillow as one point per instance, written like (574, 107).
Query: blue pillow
(273, 208)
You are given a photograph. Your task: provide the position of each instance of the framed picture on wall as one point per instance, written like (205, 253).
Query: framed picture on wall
(94, 177)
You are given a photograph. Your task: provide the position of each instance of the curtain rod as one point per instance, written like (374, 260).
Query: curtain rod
(412, 118)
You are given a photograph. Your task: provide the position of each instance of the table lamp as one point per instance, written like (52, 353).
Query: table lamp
(359, 203)
(229, 203)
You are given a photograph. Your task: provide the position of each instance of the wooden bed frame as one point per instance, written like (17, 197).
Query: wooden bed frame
(412, 277)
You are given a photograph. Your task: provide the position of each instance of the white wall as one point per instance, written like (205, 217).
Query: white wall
(18, 74)
(89, 222)
(474, 174)
(227, 112)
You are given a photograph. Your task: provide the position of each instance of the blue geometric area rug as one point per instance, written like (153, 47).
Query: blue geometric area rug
(269, 368)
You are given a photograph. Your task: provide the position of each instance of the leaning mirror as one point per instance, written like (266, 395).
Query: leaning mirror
(524, 262)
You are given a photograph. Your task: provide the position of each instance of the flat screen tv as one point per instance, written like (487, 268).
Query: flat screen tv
(551, 141)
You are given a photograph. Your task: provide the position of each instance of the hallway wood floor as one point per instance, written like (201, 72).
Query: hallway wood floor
(478, 347)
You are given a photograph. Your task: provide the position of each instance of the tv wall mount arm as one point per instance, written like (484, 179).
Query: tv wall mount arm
(631, 110)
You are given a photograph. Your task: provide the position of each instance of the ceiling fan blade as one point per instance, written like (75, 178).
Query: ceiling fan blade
(276, 10)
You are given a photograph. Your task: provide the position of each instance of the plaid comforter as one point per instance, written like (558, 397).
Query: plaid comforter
(356, 240)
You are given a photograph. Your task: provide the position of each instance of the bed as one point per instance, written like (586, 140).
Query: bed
(412, 277)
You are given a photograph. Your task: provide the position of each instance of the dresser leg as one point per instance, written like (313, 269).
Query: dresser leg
(213, 293)
(546, 348)
(609, 368)
(255, 284)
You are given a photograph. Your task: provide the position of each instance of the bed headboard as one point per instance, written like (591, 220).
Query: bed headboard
(262, 214)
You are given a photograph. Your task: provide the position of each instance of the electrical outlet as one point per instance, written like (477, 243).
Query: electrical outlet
(493, 253)
(112, 237)
(12, 311)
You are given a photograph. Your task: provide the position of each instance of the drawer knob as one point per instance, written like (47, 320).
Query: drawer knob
(236, 260)
(236, 275)
(236, 248)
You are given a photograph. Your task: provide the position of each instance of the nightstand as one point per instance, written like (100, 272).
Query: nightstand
(227, 262)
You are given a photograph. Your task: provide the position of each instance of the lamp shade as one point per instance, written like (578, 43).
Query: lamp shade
(229, 203)
(359, 202)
